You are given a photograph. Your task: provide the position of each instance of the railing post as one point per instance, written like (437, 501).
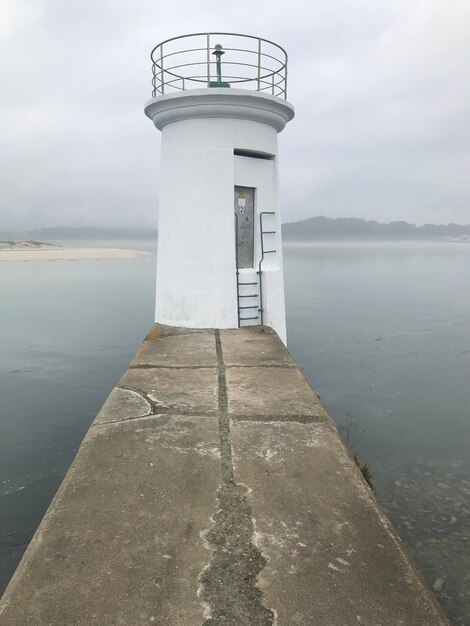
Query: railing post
(162, 78)
(285, 81)
(208, 60)
(259, 63)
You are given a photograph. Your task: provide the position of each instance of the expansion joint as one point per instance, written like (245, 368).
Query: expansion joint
(229, 590)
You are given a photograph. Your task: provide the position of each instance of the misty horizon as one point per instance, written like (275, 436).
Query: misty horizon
(381, 93)
(309, 229)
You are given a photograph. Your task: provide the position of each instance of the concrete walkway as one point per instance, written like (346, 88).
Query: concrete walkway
(213, 489)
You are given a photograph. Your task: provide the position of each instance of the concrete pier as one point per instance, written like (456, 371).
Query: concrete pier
(213, 488)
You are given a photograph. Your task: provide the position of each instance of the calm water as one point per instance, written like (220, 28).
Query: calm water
(383, 333)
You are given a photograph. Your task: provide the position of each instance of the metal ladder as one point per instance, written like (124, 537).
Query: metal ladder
(242, 308)
(262, 233)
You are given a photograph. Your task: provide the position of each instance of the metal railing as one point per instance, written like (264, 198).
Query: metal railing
(263, 254)
(195, 61)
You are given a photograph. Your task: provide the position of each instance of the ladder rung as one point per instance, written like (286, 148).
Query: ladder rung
(247, 283)
(269, 251)
(268, 232)
(248, 307)
(251, 295)
(249, 318)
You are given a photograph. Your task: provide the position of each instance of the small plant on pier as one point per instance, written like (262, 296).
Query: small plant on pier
(347, 431)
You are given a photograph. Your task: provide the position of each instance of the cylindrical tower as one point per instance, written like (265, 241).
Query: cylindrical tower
(219, 228)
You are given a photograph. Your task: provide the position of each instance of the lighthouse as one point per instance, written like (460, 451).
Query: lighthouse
(219, 100)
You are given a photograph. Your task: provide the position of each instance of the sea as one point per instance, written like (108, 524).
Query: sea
(381, 331)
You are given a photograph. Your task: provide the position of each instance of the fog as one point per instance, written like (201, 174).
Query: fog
(381, 90)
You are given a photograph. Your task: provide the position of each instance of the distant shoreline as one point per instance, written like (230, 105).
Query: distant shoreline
(312, 229)
(48, 252)
(54, 252)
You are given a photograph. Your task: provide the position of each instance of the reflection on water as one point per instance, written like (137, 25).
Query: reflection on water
(383, 334)
(67, 332)
(429, 505)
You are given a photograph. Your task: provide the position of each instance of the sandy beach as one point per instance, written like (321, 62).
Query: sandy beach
(52, 253)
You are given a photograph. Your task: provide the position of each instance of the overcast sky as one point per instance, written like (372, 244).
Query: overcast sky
(381, 90)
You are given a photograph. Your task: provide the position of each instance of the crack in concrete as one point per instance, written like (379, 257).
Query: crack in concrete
(171, 367)
(157, 409)
(127, 419)
(292, 419)
(143, 395)
(229, 590)
(169, 410)
(156, 366)
(264, 366)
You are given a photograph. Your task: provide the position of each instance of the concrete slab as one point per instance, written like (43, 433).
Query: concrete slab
(123, 404)
(121, 543)
(188, 350)
(258, 345)
(163, 330)
(179, 389)
(271, 392)
(332, 556)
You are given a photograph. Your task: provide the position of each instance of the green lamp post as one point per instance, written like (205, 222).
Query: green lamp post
(218, 52)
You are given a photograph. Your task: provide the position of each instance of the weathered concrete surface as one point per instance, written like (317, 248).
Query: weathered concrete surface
(123, 404)
(332, 557)
(213, 489)
(121, 543)
(178, 389)
(246, 348)
(196, 350)
(272, 391)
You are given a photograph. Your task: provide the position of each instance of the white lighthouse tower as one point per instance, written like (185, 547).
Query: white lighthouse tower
(219, 100)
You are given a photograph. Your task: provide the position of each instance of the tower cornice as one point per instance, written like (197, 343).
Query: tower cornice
(224, 103)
